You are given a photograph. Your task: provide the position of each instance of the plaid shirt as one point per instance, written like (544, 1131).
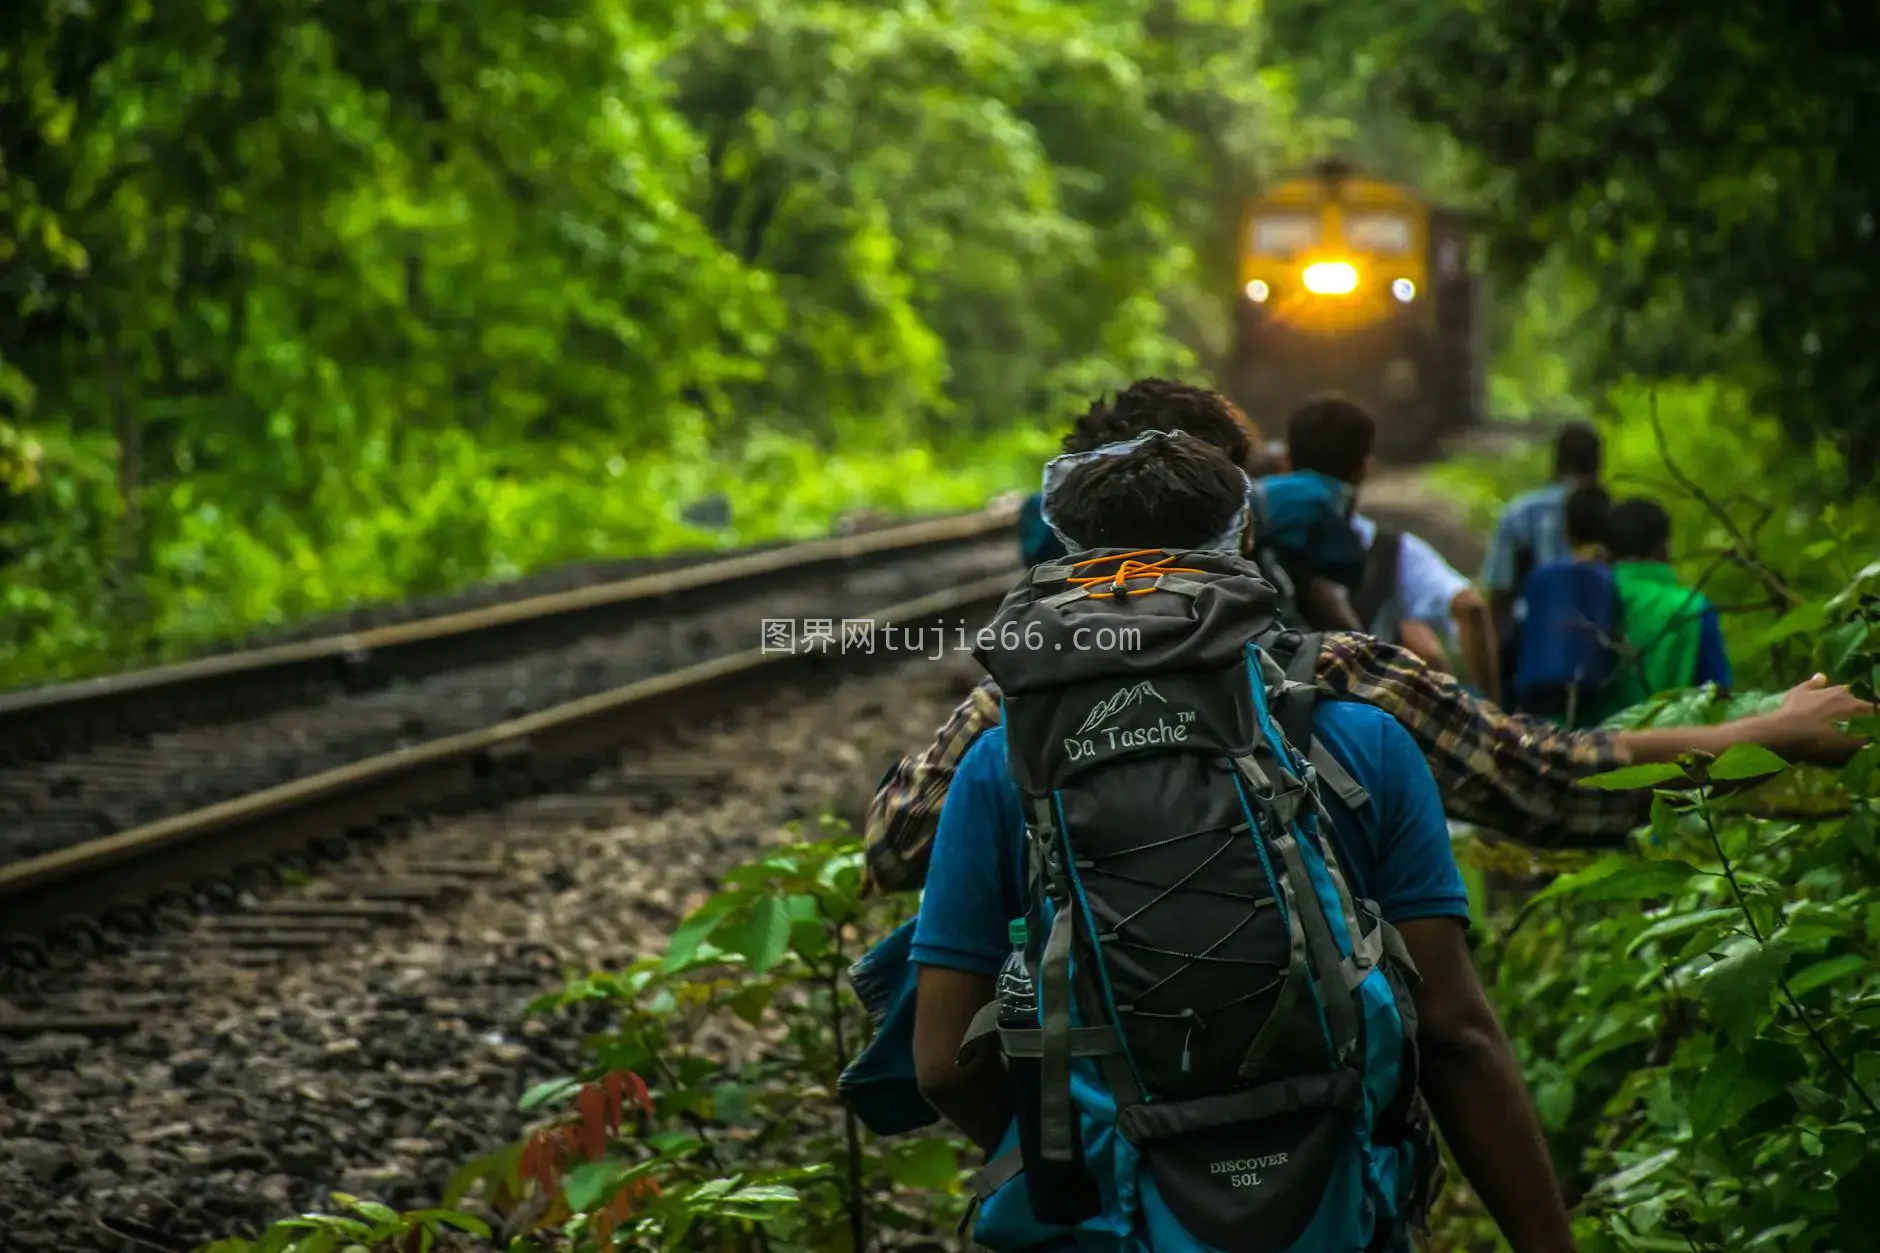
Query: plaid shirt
(1498, 770)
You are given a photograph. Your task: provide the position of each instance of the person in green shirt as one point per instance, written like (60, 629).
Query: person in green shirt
(1672, 635)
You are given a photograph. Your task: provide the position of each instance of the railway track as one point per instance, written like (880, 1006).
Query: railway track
(142, 799)
(211, 1079)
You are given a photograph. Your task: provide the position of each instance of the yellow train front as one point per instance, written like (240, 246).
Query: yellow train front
(1358, 284)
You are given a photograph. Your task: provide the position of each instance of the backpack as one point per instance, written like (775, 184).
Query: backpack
(1304, 519)
(1037, 542)
(1226, 1038)
(1379, 585)
(1564, 657)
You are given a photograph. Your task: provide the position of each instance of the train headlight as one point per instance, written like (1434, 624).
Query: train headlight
(1404, 290)
(1258, 291)
(1330, 278)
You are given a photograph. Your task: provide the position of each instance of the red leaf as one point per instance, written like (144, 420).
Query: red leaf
(613, 1087)
(601, 1226)
(641, 1097)
(593, 1106)
(538, 1161)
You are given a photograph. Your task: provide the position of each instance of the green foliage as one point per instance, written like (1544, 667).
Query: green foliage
(373, 1226)
(1699, 1024)
(764, 959)
(315, 306)
(1697, 1017)
(735, 1140)
(1704, 163)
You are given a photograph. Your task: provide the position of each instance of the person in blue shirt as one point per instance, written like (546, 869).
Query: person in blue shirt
(1532, 529)
(1531, 532)
(1571, 622)
(1429, 606)
(1400, 857)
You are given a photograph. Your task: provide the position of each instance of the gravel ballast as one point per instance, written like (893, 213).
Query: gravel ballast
(379, 1064)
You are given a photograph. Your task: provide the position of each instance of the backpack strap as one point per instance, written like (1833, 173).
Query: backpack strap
(1057, 1115)
(1085, 1041)
(1333, 772)
(1380, 575)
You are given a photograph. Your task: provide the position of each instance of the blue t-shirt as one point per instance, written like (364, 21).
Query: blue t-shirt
(1713, 659)
(1534, 523)
(975, 882)
(1572, 617)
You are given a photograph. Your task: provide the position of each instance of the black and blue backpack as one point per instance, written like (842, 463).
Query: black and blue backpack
(1225, 1046)
(1302, 521)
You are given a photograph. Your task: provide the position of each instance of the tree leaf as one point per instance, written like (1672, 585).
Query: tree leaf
(1726, 1091)
(1625, 881)
(453, 1218)
(587, 1183)
(548, 1092)
(1823, 973)
(1746, 761)
(685, 942)
(929, 1164)
(767, 937)
(377, 1211)
(1682, 924)
(1799, 620)
(1619, 1184)
(1625, 778)
(1737, 989)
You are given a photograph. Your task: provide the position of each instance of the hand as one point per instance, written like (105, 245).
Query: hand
(1807, 722)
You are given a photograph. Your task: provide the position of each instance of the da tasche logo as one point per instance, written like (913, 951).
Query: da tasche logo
(1096, 736)
(1116, 703)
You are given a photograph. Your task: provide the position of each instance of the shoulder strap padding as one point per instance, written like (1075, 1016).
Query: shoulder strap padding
(1380, 575)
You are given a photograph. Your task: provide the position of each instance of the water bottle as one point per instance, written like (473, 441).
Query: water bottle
(1063, 1193)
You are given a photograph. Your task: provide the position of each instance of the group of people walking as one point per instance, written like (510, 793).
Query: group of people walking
(1190, 964)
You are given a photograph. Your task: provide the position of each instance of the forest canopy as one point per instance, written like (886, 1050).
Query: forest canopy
(379, 298)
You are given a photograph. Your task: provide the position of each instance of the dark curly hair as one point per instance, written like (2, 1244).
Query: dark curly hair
(1169, 492)
(1165, 405)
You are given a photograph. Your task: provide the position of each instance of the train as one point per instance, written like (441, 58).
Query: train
(1353, 282)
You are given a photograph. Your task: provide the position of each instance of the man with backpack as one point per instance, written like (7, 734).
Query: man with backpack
(1531, 532)
(1532, 529)
(1408, 594)
(1508, 773)
(1226, 924)
(1572, 622)
(1672, 635)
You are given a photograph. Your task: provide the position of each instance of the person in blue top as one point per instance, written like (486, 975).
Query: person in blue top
(1532, 532)
(1571, 621)
(1400, 858)
(1532, 529)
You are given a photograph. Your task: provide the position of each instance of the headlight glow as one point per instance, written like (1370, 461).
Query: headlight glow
(1404, 290)
(1258, 291)
(1330, 278)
